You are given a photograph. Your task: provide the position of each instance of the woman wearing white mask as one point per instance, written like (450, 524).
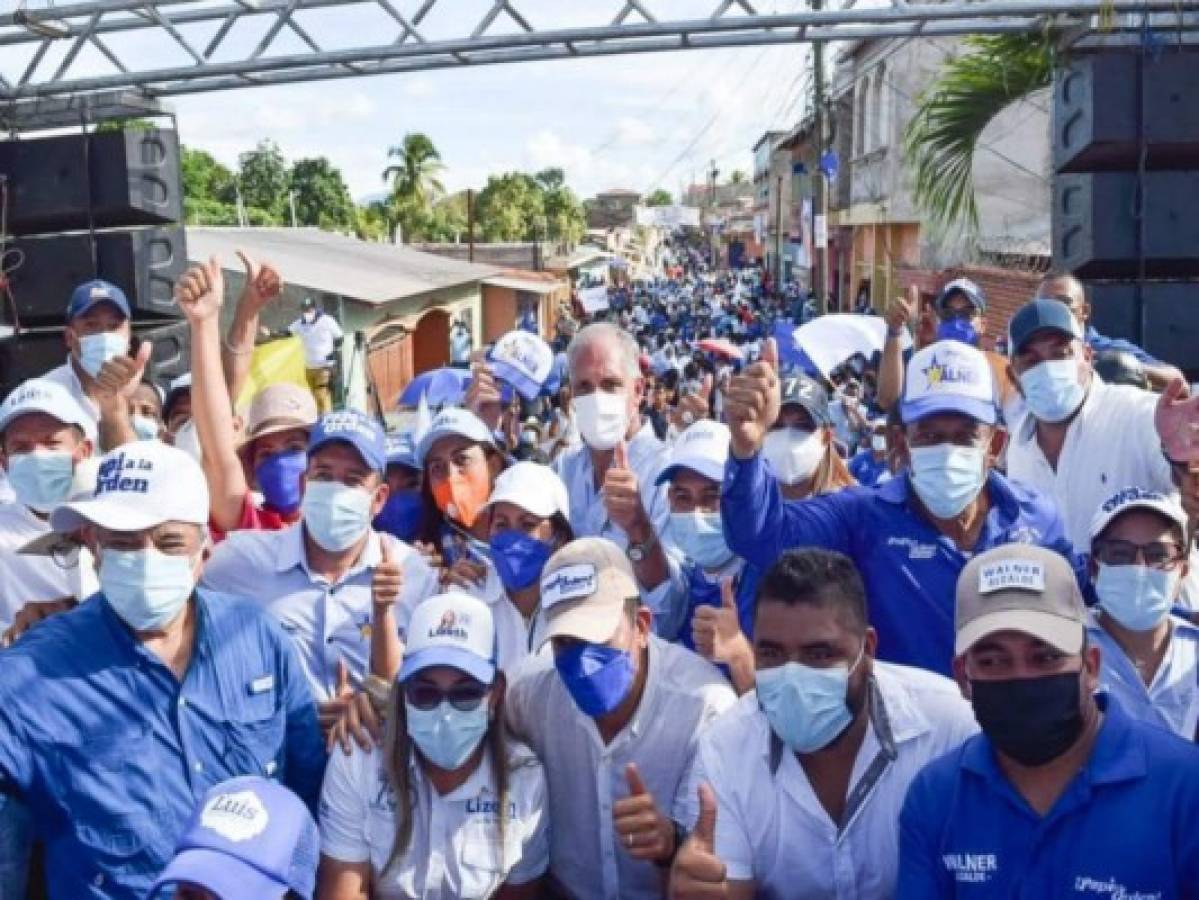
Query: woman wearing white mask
(799, 446)
(1149, 656)
(447, 807)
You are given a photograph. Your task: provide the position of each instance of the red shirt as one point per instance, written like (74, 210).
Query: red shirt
(254, 518)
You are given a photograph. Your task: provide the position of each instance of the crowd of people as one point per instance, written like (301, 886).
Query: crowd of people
(658, 608)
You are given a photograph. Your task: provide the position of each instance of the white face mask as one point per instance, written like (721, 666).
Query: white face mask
(603, 418)
(187, 439)
(793, 453)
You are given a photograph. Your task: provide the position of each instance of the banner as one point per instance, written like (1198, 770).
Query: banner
(272, 363)
(667, 217)
(594, 299)
(830, 340)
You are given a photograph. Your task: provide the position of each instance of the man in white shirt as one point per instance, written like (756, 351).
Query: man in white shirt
(321, 336)
(806, 776)
(1081, 439)
(615, 719)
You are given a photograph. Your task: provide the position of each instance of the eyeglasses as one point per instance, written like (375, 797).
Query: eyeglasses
(463, 697)
(960, 313)
(1158, 555)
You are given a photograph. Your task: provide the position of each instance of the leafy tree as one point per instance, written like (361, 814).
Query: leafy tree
(737, 177)
(659, 197)
(373, 222)
(414, 178)
(508, 208)
(204, 179)
(321, 196)
(564, 215)
(263, 178)
(551, 179)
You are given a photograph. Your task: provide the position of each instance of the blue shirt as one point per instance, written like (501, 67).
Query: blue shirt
(1099, 342)
(867, 470)
(910, 569)
(111, 753)
(1124, 827)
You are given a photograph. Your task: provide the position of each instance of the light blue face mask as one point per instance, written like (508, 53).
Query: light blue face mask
(947, 477)
(806, 707)
(1138, 597)
(145, 427)
(97, 349)
(41, 480)
(445, 735)
(335, 515)
(1051, 389)
(146, 588)
(701, 537)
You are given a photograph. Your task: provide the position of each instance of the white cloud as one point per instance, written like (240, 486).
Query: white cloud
(631, 132)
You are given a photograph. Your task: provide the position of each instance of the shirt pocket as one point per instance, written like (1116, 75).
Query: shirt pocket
(253, 742)
(485, 861)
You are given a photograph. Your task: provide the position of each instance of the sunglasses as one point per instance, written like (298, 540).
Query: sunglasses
(1158, 555)
(463, 697)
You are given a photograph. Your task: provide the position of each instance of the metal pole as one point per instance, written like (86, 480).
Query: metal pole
(778, 240)
(820, 207)
(470, 225)
(291, 202)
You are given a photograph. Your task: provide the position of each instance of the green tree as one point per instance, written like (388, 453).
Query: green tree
(508, 208)
(738, 177)
(414, 178)
(263, 178)
(321, 196)
(551, 179)
(208, 194)
(564, 215)
(373, 222)
(972, 89)
(659, 197)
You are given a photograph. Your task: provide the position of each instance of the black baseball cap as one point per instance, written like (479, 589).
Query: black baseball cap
(1041, 314)
(808, 393)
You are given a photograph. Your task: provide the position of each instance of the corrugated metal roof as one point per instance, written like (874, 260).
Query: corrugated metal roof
(335, 264)
(522, 284)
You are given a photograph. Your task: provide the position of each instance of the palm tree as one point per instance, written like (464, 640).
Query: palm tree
(414, 179)
(973, 88)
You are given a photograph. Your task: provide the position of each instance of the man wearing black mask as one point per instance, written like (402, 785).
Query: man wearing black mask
(1062, 794)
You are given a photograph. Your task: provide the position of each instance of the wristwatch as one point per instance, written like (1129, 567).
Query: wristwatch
(637, 553)
(680, 838)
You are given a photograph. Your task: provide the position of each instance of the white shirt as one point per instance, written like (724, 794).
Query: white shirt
(26, 579)
(455, 846)
(683, 694)
(770, 827)
(65, 375)
(326, 621)
(1172, 700)
(319, 338)
(460, 346)
(1111, 444)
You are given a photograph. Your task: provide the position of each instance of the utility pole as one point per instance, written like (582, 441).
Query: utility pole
(713, 172)
(291, 201)
(820, 201)
(778, 240)
(470, 225)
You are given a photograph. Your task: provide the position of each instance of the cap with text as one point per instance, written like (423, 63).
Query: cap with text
(702, 448)
(451, 629)
(140, 485)
(808, 393)
(251, 839)
(401, 450)
(39, 395)
(535, 488)
(523, 360)
(1137, 498)
(1041, 314)
(1019, 587)
(358, 430)
(948, 377)
(453, 421)
(93, 293)
(584, 587)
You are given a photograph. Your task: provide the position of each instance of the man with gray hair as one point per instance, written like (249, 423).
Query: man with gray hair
(612, 475)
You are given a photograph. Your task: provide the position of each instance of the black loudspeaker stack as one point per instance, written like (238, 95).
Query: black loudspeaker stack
(1126, 192)
(106, 204)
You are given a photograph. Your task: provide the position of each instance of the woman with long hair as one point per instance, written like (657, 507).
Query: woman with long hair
(800, 446)
(447, 806)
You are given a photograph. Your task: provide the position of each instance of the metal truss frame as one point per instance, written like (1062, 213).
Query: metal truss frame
(502, 35)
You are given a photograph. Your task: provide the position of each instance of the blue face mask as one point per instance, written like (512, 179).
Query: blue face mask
(1051, 389)
(519, 558)
(336, 515)
(1138, 597)
(145, 428)
(447, 736)
(41, 480)
(958, 330)
(146, 588)
(279, 479)
(806, 707)
(97, 349)
(701, 537)
(401, 515)
(947, 477)
(598, 678)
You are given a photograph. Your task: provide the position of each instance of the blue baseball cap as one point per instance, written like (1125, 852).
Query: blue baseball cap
(967, 289)
(401, 450)
(949, 377)
(357, 429)
(251, 839)
(1041, 314)
(90, 293)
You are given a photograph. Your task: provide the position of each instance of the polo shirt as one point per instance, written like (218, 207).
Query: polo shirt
(455, 850)
(319, 338)
(23, 578)
(692, 587)
(1111, 444)
(1123, 828)
(111, 753)
(66, 376)
(1172, 700)
(770, 827)
(868, 471)
(910, 569)
(326, 622)
(585, 776)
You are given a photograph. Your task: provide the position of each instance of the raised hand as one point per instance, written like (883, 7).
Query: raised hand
(201, 291)
(716, 630)
(263, 283)
(483, 396)
(119, 377)
(622, 499)
(641, 827)
(331, 711)
(752, 402)
(693, 406)
(902, 312)
(387, 581)
(1177, 422)
(697, 871)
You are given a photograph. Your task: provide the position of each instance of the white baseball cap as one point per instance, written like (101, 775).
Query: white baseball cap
(453, 420)
(523, 360)
(1137, 498)
(40, 395)
(702, 448)
(138, 486)
(949, 376)
(535, 488)
(451, 629)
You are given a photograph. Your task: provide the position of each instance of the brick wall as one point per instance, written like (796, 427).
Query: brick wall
(1006, 290)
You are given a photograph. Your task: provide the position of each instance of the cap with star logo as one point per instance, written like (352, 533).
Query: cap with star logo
(949, 377)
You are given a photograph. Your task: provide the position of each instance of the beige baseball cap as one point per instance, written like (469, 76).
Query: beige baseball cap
(584, 587)
(278, 407)
(1019, 587)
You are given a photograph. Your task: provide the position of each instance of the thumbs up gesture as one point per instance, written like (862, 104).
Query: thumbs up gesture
(694, 406)
(622, 497)
(753, 402)
(903, 311)
(716, 630)
(119, 377)
(698, 871)
(387, 581)
(640, 825)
